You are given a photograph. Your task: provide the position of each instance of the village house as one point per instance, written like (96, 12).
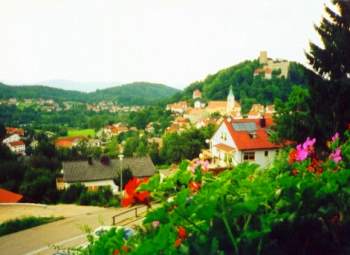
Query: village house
(13, 130)
(94, 174)
(197, 94)
(237, 141)
(256, 112)
(179, 107)
(229, 107)
(69, 141)
(11, 138)
(113, 130)
(17, 147)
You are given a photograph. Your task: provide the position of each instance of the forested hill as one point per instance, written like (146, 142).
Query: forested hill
(247, 88)
(37, 91)
(138, 93)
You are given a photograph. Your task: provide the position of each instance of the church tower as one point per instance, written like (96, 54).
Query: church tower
(230, 101)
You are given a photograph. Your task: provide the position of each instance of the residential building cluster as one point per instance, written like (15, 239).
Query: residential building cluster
(111, 107)
(49, 105)
(202, 114)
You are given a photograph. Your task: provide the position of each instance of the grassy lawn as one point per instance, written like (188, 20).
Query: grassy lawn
(81, 132)
(16, 225)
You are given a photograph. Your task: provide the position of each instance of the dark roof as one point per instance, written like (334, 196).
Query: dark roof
(79, 171)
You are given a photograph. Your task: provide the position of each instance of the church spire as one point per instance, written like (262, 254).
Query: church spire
(230, 101)
(230, 93)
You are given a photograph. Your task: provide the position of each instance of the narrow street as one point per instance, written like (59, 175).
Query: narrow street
(69, 232)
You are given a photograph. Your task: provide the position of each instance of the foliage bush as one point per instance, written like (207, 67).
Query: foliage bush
(300, 205)
(16, 225)
(72, 194)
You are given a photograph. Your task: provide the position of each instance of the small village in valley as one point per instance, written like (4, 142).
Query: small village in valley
(174, 127)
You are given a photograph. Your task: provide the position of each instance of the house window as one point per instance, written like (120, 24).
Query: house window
(249, 155)
(266, 153)
(223, 136)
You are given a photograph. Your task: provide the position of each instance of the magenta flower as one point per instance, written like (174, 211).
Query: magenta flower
(336, 156)
(335, 137)
(309, 144)
(304, 150)
(301, 153)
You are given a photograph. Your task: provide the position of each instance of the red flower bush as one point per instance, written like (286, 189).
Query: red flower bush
(132, 196)
(194, 186)
(181, 236)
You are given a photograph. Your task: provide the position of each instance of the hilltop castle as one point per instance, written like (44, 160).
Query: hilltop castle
(269, 65)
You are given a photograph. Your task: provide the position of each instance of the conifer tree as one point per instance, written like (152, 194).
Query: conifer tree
(330, 104)
(332, 61)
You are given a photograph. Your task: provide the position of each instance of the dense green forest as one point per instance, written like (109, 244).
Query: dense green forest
(138, 93)
(247, 88)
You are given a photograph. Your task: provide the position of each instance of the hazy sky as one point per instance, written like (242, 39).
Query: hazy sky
(174, 42)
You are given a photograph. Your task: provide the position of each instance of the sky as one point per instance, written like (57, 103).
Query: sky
(174, 42)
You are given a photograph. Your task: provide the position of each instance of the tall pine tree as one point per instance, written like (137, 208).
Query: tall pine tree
(332, 61)
(330, 105)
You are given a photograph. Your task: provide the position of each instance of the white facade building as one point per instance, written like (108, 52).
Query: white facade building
(237, 141)
(11, 139)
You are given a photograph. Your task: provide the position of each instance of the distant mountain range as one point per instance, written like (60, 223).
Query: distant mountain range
(137, 93)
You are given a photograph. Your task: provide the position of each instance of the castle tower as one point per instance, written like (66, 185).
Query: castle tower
(230, 101)
(263, 57)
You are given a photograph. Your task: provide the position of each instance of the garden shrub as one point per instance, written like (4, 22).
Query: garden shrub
(300, 205)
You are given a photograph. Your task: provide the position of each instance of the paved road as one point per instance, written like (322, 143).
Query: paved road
(64, 233)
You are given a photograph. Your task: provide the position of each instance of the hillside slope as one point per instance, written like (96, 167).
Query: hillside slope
(247, 88)
(137, 93)
(38, 91)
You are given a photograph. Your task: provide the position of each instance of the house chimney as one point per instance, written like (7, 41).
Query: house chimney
(263, 122)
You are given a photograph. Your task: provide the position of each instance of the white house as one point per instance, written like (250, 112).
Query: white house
(239, 140)
(17, 147)
(11, 139)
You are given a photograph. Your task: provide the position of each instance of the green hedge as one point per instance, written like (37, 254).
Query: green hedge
(16, 225)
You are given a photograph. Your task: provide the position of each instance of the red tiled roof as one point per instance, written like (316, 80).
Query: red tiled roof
(67, 142)
(245, 141)
(9, 197)
(17, 143)
(13, 130)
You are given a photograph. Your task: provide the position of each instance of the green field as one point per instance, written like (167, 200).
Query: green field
(81, 132)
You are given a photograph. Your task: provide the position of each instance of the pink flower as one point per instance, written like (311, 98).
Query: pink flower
(309, 144)
(301, 153)
(336, 155)
(335, 137)
(304, 150)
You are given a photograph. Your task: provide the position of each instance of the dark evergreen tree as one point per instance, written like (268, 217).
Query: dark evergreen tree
(330, 96)
(333, 59)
